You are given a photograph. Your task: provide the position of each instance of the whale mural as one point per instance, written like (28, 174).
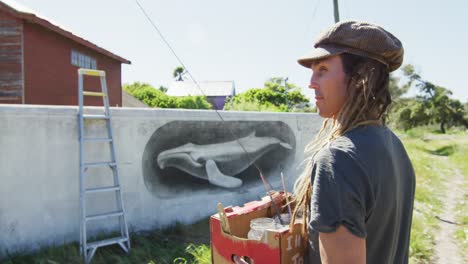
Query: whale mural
(208, 161)
(215, 156)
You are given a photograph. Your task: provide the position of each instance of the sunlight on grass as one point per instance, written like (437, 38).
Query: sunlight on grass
(460, 160)
(421, 240)
(435, 158)
(430, 171)
(201, 254)
(166, 246)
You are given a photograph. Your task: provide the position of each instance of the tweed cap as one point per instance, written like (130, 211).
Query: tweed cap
(359, 38)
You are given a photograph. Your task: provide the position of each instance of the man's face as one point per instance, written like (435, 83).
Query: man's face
(329, 82)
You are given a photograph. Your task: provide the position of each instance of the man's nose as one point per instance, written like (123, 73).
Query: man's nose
(313, 84)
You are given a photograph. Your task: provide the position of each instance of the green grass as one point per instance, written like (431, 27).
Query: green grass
(427, 204)
(201, 253)
(459, 160)
(170, 245)
(462, 231)
(435, 158)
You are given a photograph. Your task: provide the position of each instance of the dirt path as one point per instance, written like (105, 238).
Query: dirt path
(446, 249)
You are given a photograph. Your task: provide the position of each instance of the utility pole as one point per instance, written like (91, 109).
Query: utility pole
(336, 11)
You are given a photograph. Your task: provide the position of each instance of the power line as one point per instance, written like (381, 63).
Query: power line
(315, 9)
(312, 19)
(201, 90)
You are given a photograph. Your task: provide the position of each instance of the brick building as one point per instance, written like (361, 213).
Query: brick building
(39, 61)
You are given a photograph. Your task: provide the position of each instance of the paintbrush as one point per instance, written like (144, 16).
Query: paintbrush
(277, 210)
(266, 184)
(286, 193)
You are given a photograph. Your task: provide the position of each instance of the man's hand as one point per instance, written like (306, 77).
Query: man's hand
(239, 260)
(342, 247)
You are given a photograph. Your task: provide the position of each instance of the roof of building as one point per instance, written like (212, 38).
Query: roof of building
(18, 10)
(207, 88)
(129, 101)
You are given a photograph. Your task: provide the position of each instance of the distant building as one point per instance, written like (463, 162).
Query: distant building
(215, 91)
(39, 61)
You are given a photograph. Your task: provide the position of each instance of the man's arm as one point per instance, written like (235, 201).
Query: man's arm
(342, 246)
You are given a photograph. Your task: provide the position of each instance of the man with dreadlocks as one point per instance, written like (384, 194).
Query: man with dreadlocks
(357, 191)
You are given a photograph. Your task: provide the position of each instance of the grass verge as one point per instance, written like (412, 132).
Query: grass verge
(459, 160)
(178, 244)
(436, 158)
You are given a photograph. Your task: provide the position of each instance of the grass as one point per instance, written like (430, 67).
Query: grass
(201, 253)
(436, 158)
(427, 204)
(166, 246)
(459, 160)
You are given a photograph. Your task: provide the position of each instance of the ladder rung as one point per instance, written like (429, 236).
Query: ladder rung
(99, 164)
(96, 116)
(87, 93)
(91, 72)
(103, 189)
(105, 215)
(97, 139)
(106, 242)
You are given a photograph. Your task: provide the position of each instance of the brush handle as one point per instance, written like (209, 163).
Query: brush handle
(286, 193)
(224, 221)
(278, 212)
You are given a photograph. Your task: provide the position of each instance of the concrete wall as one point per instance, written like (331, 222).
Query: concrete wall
(39, 165)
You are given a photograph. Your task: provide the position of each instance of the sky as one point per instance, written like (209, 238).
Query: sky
(250, 41)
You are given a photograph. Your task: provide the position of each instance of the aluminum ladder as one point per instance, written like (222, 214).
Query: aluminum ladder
(88, 249)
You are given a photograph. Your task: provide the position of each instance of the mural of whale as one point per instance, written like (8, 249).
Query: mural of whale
(218, 163)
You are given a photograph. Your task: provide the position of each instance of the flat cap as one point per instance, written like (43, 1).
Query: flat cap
(359, 38)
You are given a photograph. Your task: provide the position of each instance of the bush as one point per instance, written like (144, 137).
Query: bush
(193, 102)
(273, 97)
(157, 98)
(254, 105)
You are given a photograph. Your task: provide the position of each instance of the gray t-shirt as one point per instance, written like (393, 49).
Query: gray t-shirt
(364, 180)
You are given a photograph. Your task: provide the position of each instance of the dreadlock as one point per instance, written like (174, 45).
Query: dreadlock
(368, 98)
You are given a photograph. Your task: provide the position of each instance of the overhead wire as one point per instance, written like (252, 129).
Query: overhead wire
(309, 23)
(155, 27)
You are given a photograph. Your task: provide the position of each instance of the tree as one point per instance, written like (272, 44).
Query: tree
(193, 102)
(131, 88)
(396, 91)
(163, 89)
(157, 98)
(274, 96)
(466, 110)
(433, 105)
(411, 113)
(179, 73)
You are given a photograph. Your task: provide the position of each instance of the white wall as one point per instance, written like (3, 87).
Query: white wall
(39, 171)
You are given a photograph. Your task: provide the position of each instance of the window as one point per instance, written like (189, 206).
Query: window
(83, 61)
